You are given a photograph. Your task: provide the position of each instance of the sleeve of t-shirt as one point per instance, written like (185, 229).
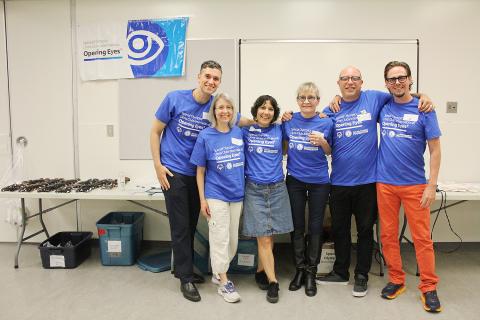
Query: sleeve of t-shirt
(329, 133)
(164, 112)
(432, 129)
(239, 115)
(284, 131)
(199, 156)
(328, 111)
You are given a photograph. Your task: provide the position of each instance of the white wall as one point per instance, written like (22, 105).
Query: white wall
(41, 80)
(7, 232)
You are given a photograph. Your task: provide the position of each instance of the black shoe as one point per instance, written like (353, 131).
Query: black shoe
(332, 278)
(310, 284)
(297, 280)
(360, 286)
(190, 292)
(262, 280)
(272, 293)
(431, 303)
(198, 278)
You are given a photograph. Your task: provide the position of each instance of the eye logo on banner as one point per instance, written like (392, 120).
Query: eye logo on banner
(150, 48)
(147, 48)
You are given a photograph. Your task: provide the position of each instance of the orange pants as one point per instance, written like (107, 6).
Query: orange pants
(389, 198)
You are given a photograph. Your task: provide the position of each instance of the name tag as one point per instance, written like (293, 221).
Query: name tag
(364, 117)
(237, 142)
(410, 117)
(205, 115)
(318, 133)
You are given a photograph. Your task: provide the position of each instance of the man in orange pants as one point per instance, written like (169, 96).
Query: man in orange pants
(405, 132)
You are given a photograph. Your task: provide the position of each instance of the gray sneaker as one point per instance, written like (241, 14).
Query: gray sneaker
(332, 278)
(228, 292)
(360, 286)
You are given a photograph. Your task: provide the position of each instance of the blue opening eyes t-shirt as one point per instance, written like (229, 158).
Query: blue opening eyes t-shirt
(263, 153)
(305, 161)
(355, 144)
(222, 156)
(404, 132)
(185, 118)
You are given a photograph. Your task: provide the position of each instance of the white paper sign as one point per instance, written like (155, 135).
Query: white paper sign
(57, 261)
(410, 117)
(114, 246)
(237, 142)
(318, 133)
(247, 260)
(364, 117)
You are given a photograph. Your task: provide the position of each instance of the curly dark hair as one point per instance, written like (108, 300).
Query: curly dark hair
(260, 101)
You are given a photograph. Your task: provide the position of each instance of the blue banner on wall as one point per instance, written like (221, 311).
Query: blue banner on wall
(149, 48)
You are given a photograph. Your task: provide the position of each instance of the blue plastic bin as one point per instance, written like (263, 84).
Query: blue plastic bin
(120, 235)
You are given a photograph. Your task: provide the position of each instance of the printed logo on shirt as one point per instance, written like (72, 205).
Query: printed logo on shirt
(190, 125)
(253, 129)
(350, 125)
(397, 126)
(228, 157)
(264, 142)
(299, 139)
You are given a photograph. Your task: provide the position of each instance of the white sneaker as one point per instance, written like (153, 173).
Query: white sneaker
(216, 279)
(228, 292)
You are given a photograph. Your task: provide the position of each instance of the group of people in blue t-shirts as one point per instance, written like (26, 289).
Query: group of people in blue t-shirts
(215, 162)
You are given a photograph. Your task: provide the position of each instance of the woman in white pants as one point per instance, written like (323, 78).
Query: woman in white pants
(219, 157)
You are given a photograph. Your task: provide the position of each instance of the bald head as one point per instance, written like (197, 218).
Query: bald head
(350, 83)
(350, 70)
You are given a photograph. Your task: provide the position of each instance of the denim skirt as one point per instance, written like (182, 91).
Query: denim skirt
(266, 209)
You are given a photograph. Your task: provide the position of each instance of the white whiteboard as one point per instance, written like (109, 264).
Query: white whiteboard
(140, 98)
(278, 67)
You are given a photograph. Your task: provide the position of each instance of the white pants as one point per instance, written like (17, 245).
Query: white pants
(223, 233)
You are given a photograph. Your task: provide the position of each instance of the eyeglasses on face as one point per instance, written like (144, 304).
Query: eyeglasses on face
(223, 108)
(353, 78)
(310, 99)
(400, 79)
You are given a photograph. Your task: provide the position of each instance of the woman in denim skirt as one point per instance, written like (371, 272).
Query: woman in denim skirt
(266, 206)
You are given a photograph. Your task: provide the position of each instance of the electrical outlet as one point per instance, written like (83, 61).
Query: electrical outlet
(109, 130)
(452, 107)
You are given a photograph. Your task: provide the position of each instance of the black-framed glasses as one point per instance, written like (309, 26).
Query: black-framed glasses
(310, 99)
(400, 79)
(353, 78)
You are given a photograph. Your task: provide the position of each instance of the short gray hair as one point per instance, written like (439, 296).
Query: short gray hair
(309, 86)
(211, 112)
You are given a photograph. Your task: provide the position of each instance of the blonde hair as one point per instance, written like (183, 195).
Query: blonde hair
(309, 86)
(211, 112)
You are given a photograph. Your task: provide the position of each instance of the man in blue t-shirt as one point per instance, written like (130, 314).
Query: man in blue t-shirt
(178, 121)
(180, 117)
(405, 132)
(353, 176)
